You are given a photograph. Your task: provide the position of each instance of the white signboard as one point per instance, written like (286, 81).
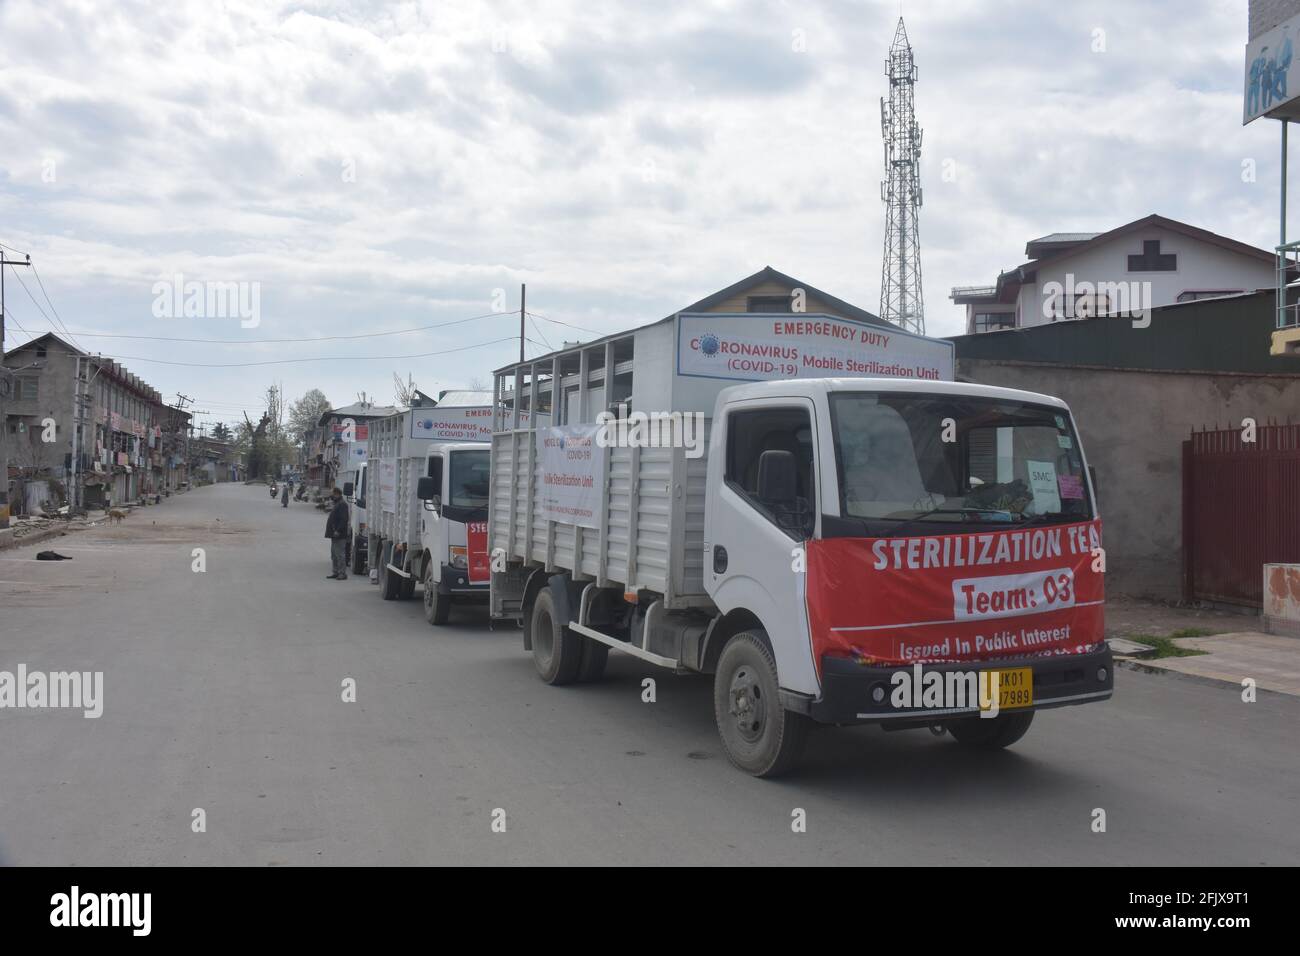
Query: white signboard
(1042, 482)
(454, 423)
(387, 485)
(759, 346)
(1269, 88)
(572, 474)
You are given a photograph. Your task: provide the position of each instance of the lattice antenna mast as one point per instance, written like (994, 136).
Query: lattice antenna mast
(901, 301)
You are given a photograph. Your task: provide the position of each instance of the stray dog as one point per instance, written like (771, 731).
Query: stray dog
(116, 516)
(52, 556)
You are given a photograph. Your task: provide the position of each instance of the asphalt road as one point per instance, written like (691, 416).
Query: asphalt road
(223, 691)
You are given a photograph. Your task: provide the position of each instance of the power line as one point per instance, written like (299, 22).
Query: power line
(62, 324)
(319, 358)
(569, 324)
(320, 338)
(549, 347)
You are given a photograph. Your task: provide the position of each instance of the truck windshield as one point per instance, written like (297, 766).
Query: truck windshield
(470, 473)
(905, 459)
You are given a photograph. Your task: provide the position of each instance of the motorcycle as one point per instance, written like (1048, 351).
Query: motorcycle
(274, 491)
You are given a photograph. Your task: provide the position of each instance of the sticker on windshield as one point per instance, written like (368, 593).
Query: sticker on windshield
(1065, 441)
(1042, 482)
(1071, 486)
(1060, 422)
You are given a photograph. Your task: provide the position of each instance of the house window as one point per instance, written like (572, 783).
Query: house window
(988, 321)
(41, 351)
(1082, 306)
(1192, 295)
(768, 303)
(1152, 259)
(27, 389)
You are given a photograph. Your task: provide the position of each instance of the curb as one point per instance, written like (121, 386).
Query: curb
(1144, 667)
(10, 542)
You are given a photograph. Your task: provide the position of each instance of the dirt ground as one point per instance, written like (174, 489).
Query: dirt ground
(1127, 616)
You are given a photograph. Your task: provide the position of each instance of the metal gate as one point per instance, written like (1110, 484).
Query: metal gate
(1241, 510)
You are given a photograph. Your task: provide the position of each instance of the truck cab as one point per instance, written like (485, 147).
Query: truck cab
(357, 519)
(453, 564)
(943, 525)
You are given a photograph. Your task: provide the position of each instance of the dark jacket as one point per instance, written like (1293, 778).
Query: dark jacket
(336, 525)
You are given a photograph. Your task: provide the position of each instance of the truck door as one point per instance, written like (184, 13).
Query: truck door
(431, 523)
(756, 526)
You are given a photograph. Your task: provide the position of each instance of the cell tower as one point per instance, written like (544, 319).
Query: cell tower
(900, 269)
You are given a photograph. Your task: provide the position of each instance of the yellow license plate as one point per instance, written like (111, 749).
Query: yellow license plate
(1015, 688)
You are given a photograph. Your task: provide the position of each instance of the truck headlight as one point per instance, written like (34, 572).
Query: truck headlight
(459, 557)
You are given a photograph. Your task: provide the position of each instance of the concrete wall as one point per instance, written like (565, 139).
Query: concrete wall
(1266, 14)
(1132, 425)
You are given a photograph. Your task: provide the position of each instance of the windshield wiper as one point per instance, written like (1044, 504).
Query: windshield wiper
(964, 512)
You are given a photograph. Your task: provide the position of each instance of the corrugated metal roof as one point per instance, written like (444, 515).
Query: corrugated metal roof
(1067, 237)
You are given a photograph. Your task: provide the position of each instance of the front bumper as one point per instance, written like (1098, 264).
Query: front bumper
(849, 689)
(455, 581)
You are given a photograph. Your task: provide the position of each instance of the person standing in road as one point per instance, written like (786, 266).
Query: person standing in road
(336, 529)
(284, 497)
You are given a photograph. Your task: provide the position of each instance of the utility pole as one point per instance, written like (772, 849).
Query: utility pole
(900, 270)
(523, 297)
(4, 428)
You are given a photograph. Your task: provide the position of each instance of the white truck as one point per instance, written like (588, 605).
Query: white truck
(354, 489)
(428, 505)
(847, 537)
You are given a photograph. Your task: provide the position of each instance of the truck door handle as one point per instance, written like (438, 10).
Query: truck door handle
(719, 559)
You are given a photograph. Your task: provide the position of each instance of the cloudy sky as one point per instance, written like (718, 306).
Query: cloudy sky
(379, 167)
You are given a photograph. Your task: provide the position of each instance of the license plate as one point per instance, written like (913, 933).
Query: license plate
(1015, 688)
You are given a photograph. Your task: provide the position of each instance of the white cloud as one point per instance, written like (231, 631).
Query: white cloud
(623, 159)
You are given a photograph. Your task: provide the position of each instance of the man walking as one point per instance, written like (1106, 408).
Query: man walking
(284, 497)
(336, 529)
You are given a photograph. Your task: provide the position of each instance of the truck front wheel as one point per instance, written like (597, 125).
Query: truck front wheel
(759, 735)
(557, 651)
(436, 606)
(389, 583)
(991, 733)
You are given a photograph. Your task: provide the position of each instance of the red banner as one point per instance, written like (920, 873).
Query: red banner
(480, 569)
(1013, 593)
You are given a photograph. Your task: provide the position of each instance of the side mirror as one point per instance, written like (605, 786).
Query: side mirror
(427, 489)
(347, 489)
(777, 478)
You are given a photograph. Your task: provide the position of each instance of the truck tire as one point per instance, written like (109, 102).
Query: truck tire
(436, 606)
(406, 589)
(991, 733)
(358, 561)
(389, 583)
(759, 735)
(595, 656)
(557, 651)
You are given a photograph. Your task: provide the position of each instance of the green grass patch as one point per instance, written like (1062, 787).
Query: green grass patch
(1165, 646)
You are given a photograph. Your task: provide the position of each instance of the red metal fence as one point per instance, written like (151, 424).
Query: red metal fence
(1241, 510)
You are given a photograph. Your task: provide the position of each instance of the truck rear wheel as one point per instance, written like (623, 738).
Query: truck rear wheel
(759, 735)
(406, 589)
(389, 583)
(557, 651)
(991, 733)
(436, 606)
(358, 559)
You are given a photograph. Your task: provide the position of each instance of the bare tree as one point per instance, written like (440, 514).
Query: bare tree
(404, 392)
